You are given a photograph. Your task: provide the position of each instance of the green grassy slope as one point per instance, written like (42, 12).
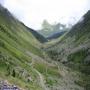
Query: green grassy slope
(14, 30)
(38, 36)
(15, 42)
(73, 49)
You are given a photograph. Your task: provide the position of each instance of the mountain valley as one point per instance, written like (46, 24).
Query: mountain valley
(30, 61)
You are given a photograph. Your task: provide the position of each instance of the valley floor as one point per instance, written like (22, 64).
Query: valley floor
(56, 77)
(67, 78)
(66, 81)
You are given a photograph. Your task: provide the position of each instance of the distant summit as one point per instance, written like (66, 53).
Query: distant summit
(52, 30)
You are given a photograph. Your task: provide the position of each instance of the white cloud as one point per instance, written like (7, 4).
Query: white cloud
(33, 12)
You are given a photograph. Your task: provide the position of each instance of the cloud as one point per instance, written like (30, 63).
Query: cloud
(33, 12)
(1, 1)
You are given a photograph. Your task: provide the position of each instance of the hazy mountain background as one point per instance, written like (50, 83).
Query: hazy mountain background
(53, 31)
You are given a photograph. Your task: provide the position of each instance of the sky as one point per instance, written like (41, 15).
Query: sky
(33, 12)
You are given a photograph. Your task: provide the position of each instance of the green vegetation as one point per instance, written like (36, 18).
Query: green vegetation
(78, 57)
(45, 69)
(15, 41)
(78, 61)
(73, 50)
(50, 73)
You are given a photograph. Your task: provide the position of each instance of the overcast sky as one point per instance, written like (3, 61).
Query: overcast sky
(33, 12)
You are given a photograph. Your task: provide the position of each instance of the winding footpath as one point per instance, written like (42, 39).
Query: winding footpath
(41, 80)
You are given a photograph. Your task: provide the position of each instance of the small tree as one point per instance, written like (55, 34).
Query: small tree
(13, 73)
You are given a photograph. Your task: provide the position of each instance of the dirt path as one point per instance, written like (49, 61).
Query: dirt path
(41, 79)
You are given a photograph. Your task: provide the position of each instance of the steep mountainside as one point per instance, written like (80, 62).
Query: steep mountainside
(15, 43)
(38, 36)
(73, 50)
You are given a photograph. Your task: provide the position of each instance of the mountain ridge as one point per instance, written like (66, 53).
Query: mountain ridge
(73, 50)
